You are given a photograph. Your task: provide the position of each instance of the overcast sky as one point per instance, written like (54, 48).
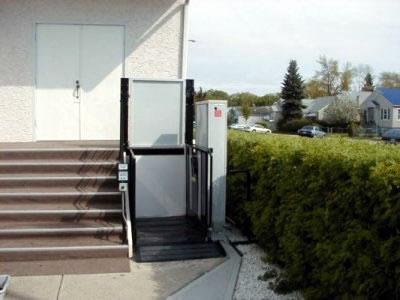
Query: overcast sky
(246, 45)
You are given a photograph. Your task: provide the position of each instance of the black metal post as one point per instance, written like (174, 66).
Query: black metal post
(123, 139)
(211, 188)
(189, 111)
(132, 193)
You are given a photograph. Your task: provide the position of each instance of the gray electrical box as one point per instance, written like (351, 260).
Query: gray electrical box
(211, 132)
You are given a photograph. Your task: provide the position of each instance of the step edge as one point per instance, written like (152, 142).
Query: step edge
(41, 194)
(50, 178)
(62, 248)
(58, 163)
(16, 150)
(61, 230)
(59, 211)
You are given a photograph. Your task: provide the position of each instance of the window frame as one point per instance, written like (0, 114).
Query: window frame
(385, 114)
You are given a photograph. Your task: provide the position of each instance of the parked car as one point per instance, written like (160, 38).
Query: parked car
(311, 131)
(237, 127)
(391, 136)
(257, 128)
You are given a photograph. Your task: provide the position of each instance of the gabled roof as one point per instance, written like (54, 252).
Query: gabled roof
(315, 105)
(392, 95)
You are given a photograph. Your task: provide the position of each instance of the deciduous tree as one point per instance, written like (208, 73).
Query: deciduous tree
(389, 80)
(328, 75)
(342, 112)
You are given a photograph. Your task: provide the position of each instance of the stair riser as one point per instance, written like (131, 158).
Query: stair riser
(52, 183)
(72, 169)
(57, 255)
(78, 201)
(84, 155)
(99, 234)
(76, 218)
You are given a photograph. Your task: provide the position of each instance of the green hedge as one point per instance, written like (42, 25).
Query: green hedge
(328, 211)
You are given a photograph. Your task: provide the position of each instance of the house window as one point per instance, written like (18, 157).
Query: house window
(385, 114)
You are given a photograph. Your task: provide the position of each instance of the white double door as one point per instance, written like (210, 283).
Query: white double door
(79, 68)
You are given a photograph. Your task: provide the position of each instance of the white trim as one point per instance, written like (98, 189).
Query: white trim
(185, 33)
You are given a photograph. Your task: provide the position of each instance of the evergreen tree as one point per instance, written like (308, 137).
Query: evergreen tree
(292, 93)
(368, 84)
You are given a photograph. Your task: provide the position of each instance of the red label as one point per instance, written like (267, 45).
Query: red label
(217, 113)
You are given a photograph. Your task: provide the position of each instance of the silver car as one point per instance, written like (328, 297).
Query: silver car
(311, 131)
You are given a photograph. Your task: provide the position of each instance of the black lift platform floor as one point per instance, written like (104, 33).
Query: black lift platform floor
(173, 238)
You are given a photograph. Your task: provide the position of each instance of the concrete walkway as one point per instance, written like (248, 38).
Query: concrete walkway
(217, 284)
(144, 281)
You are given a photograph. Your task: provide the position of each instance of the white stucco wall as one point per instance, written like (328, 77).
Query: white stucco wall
(153, 47)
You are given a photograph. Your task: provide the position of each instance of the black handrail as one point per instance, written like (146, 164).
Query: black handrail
(132, 192)
(205, 183)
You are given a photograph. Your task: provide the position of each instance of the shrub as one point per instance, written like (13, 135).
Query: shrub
(327, 211)
(353, 129)
(263, 123)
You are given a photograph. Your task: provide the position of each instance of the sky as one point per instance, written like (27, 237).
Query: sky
(246, 45)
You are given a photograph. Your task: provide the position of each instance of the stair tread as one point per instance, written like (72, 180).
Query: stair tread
(36, 205)
(57, 162)
(54, 176)
(58, 190)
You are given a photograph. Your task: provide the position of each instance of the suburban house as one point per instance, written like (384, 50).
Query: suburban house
(257, 113)
(381, 109)
(314, 108)
(68, 72)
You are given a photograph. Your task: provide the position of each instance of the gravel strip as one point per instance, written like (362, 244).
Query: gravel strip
(249, 286)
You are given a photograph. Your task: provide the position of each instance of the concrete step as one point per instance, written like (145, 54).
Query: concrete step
(60, 201)
(43, 180)
(48, 203)
(49, 227)
(74, 215)
(65, 167)
(104, 250)
(64, 240)
(44, 191)
(79, 154)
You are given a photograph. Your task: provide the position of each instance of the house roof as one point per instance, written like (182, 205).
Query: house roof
(315, 105)
(393, 95)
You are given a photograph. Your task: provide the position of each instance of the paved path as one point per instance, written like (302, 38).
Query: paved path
(144, 281)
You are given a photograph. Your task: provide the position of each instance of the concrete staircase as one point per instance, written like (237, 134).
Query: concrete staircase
(60, 204)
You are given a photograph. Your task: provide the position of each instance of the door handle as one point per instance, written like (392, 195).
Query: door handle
(76, 90)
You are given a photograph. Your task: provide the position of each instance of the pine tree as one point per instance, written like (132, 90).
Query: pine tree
(292, 93)
(368, 84)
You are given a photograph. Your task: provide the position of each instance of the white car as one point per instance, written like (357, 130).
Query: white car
(237, 127)
(257, 128)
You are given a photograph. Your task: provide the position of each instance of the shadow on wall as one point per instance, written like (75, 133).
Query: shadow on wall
(147, 35)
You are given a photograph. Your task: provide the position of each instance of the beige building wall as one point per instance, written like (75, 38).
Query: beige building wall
(153, 47)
